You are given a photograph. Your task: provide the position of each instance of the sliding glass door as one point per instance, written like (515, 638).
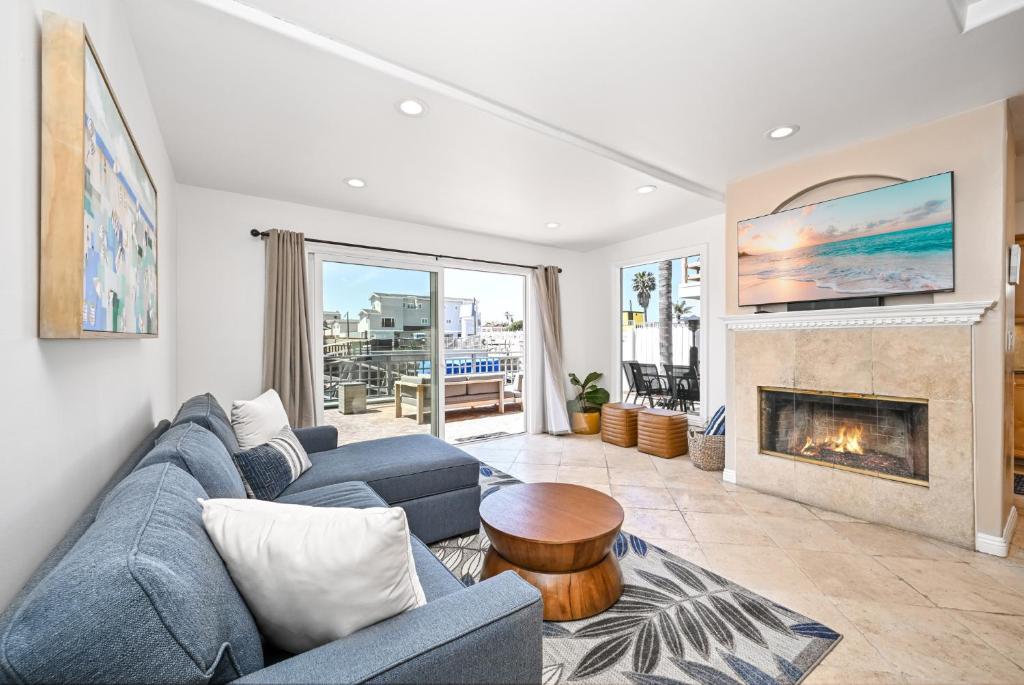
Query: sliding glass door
(378, 335)
(663, 349)
(484, 354)
(411, 346)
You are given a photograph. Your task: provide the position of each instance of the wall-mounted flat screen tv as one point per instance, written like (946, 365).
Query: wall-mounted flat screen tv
(893, 240)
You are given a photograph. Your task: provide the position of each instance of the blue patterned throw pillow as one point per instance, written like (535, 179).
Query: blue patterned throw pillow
(269, 468)
(716, 425)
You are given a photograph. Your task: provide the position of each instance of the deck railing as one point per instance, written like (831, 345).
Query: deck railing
(379, 370)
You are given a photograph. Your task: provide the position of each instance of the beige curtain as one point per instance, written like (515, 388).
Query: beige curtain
(552, 390)
(287, 351)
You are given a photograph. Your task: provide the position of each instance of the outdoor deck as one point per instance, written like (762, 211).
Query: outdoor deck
(461, 425)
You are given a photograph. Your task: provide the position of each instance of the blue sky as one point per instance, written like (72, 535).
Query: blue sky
(347, 288)
(627, 287)
(924, 202)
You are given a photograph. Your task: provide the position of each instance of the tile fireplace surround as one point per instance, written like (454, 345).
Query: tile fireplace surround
(909, 351)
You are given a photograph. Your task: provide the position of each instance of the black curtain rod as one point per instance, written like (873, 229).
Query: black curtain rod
(256, 233)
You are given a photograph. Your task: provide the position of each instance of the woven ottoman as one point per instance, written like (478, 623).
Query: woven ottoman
(618, 423)
(662, 433)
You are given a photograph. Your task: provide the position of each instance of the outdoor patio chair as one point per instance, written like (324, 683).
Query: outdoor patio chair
(650, 385)
(627, 369)
(514, 392)
(684, 386)
(677, 378)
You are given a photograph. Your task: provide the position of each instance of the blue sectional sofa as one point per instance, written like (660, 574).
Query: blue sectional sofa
(136, 591)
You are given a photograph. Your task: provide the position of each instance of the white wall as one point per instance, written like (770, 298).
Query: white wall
(605, 339)
(72, 410)
(221, 283)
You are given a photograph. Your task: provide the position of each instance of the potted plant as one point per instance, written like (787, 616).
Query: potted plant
(585, 410)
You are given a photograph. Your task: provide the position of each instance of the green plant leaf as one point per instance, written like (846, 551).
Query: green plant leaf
(597, 396)
(589, 397)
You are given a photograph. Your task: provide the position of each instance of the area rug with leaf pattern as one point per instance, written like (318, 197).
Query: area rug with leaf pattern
(675, 622)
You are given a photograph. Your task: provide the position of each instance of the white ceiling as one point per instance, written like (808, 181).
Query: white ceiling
(683, 88)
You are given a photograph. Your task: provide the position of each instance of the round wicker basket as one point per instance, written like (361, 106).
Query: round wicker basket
(707, 452)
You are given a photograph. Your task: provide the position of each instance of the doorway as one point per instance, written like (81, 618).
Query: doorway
(662, 351)
(411, 346)
(378, 338)
(484, 327)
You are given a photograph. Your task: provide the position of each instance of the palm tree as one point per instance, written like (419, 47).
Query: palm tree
(681, 309)
(643, 285)
(665, 310)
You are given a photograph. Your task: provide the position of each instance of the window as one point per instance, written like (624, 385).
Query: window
(692, 274)
(424, 321)
(387, 322)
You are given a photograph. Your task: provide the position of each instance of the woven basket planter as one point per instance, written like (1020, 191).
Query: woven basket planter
(707, 452)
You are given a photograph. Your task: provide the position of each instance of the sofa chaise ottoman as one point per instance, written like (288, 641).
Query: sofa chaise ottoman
(437, 484)
(137, 593)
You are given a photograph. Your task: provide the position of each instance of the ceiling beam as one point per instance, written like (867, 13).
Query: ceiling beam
(971, 14)
(335, 47)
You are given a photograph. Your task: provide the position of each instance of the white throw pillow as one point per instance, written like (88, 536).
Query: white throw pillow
(258, 421)
(311, 575)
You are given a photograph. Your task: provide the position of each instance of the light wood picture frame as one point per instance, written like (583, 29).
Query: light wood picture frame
(98, 203)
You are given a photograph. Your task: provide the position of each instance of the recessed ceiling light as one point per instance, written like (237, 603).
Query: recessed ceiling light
(412, 107)
(643, 190)
(355, 183)
(552, 224)
(783, 131)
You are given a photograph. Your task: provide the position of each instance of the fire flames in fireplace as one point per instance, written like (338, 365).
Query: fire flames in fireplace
(847, 441)
(884, 436)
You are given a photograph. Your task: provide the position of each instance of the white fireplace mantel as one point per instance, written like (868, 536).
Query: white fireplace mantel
(933, 314)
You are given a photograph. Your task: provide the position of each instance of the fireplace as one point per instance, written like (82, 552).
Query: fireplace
(871, 434)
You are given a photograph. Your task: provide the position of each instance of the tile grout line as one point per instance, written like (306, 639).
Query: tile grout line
(956, 617)
(833, 603)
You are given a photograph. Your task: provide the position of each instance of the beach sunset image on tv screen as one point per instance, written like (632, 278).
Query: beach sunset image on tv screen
(893, 240)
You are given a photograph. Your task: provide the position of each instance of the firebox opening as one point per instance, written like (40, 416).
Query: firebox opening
(872, 434)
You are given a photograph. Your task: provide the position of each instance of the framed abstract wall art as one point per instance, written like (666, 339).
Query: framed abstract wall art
(98, 202)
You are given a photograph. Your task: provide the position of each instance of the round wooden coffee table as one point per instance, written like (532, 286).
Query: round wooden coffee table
(558, 537)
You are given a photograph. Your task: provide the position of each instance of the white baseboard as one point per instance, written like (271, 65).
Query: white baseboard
(729, 475)
(998, 546)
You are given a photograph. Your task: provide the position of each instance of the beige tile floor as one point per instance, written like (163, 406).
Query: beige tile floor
(911, 609)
